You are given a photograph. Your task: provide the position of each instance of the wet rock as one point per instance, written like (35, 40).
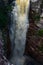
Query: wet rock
(3, 60)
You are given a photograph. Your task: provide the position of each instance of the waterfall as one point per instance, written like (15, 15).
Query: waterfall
(18, 30)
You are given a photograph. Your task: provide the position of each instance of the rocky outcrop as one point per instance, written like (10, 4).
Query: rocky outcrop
(33, 41)
(7, 43)
(3, 60)
(32, 45)
(4, 26)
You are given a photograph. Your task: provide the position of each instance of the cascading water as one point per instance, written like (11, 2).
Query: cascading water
(19, 28)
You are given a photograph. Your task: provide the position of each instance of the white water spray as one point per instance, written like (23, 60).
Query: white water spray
(19, 29)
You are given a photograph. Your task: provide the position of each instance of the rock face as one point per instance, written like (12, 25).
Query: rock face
(4, 23)
(3, 60)
(33, 41)
(32, 48)
(7, 43)
(38, 7)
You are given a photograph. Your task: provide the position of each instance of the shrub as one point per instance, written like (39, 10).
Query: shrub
(40, 32)
(4, 15)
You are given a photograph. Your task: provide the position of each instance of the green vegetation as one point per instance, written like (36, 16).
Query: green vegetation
(40, 32)
(37, 17)
(8, 8)
(41, 48)
(4, 15)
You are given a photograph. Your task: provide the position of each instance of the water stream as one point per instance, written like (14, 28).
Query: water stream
(19, 26)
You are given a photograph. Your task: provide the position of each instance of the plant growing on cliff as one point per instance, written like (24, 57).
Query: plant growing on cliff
(4, 15)
(40, 32)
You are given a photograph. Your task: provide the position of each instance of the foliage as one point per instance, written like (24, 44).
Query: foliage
(40, 32)
(8, 8)
(35, 16)
(41, 48)
(4, 15)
